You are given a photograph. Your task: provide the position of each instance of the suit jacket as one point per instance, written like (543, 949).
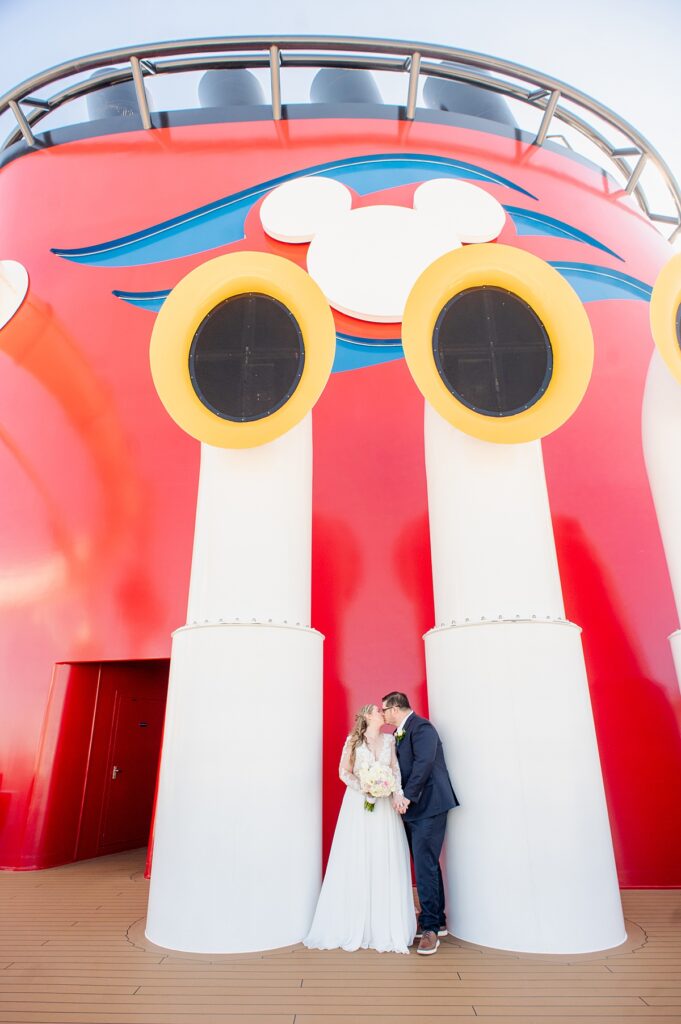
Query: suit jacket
(425, 779)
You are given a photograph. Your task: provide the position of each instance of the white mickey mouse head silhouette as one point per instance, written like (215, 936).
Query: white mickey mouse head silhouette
(367, 260)
(13, 289)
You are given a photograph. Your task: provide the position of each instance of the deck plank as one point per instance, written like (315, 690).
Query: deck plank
(72, 951)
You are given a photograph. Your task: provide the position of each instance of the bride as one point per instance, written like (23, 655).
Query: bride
(366, 899)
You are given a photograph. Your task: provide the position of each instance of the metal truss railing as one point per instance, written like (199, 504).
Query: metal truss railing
(546, 94)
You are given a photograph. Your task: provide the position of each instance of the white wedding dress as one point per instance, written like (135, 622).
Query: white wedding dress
(366, 900)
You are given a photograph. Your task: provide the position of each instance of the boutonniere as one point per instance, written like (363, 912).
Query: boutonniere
(399, 736)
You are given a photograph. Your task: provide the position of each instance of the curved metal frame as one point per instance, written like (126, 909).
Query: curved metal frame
(538, 90)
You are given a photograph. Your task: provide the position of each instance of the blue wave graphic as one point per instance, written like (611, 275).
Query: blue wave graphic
(529, 222)
(594, 284)
(143, 300)
(591, 282)
(222, 222)
(354, 353)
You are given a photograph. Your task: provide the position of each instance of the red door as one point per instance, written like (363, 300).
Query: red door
(124, 757)
(131, 772)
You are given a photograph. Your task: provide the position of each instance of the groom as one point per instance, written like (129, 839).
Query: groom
(428, 796)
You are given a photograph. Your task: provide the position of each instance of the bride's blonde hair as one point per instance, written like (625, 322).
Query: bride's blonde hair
(359, 730)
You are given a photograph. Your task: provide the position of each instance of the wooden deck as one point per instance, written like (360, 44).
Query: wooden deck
(72, 949)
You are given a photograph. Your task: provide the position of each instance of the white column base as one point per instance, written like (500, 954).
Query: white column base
(529, 856)
(237, 852)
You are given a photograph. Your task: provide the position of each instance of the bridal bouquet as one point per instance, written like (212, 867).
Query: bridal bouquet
(376, 780)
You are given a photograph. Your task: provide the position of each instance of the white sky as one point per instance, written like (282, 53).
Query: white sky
(625, 53)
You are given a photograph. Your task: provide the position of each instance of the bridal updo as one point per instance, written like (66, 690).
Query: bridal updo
(359, 730)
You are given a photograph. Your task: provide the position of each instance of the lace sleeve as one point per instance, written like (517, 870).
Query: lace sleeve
(395, 768)
(345, 770)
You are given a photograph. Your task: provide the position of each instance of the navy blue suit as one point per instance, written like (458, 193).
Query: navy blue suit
(426, 784)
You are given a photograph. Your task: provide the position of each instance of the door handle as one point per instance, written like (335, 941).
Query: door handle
(115, 771)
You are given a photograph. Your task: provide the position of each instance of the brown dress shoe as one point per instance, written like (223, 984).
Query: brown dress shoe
(428, 944)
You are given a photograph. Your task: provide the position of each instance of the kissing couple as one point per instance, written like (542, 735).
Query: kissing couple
(397, 799)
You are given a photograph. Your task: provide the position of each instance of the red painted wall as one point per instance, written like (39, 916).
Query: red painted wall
(99, 485)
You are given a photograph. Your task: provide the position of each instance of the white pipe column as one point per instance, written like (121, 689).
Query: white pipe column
(529, 858)
(237, 850)
(661, 428)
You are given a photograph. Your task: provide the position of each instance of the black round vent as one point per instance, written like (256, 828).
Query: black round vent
(492, 351)
(247, 357)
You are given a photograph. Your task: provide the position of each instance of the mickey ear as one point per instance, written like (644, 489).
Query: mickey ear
(298, 209)
(475, 215)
